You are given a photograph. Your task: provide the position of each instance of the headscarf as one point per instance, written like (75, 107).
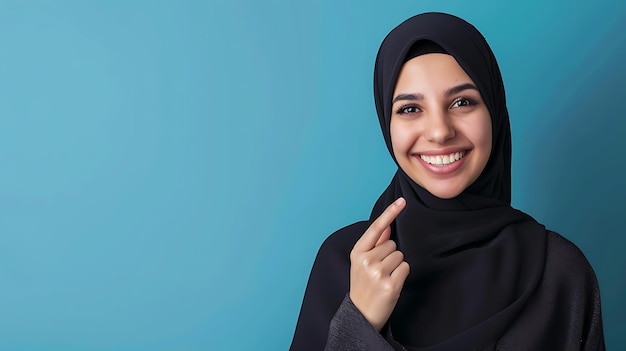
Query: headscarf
(475, 261)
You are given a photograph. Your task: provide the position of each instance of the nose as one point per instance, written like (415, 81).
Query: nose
(439, 127)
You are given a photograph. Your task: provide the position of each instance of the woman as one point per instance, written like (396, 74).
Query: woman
(444, 263)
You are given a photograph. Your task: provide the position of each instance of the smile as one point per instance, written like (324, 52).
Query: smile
(443, 160)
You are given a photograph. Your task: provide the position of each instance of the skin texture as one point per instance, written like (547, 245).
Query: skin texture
(377, 269)
(428, 118)
(429, 121)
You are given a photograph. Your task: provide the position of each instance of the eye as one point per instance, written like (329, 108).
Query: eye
(462, 102)
(407, 109)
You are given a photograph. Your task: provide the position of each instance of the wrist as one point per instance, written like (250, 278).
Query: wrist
(373, 321)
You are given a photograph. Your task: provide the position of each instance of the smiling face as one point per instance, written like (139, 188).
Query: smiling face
(440, 126)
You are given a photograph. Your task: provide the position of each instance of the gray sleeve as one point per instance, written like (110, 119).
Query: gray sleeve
(349, 330)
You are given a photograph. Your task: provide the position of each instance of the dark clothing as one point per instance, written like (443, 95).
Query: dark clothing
(483, 275)
(563, 314)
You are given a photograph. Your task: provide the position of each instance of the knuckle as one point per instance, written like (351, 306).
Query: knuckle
(388, 286)
(376, 273)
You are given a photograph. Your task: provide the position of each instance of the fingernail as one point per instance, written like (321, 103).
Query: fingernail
(399, 202)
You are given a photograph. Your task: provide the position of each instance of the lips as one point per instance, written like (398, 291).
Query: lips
(443, 160)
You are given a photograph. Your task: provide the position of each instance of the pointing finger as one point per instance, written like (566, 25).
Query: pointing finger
(371, 237)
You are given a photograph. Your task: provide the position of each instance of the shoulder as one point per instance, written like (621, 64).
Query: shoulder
(565, 262)
(333, 257)
(569, 279)
(327, 287)
(332, 263)
(564, 312)
(342, 240)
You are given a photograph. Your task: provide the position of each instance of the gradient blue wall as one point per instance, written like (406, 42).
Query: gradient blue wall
(169, 168)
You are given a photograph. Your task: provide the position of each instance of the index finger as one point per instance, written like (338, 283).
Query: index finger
(369, 239)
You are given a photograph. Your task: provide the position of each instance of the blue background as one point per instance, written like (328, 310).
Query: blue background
(170, 168)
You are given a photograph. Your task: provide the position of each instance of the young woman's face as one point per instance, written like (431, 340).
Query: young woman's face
(440, 126)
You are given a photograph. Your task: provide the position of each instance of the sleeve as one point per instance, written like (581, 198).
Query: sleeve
(349, 330)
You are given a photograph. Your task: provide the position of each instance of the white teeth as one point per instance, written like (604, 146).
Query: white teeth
(442, 160)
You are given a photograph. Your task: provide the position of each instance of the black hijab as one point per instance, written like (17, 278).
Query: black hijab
(475, 261)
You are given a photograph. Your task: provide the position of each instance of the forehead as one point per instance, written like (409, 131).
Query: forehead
(431, 72)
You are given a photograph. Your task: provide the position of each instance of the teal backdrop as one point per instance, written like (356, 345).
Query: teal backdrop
(170, 168)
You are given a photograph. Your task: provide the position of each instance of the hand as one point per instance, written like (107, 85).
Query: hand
(377, 269)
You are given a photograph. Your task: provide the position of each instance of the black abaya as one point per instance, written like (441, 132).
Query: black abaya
(562, 314)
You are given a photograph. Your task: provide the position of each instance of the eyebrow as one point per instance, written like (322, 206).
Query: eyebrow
(452, 91)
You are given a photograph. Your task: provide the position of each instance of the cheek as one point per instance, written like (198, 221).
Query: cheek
(483, 136)
(399, 139)
(487, 134)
